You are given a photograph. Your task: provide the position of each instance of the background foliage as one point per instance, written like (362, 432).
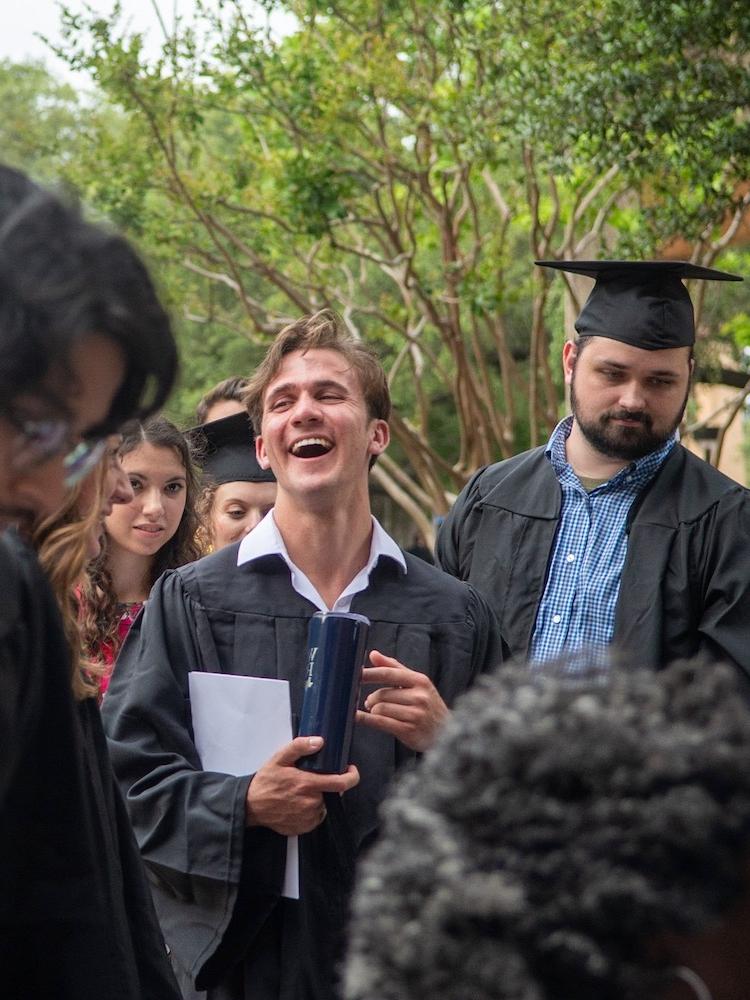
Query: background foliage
(404, 163)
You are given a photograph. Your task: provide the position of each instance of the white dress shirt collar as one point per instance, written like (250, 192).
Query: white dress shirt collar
(265, 540)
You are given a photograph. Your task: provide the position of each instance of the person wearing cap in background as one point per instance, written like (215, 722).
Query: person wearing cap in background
(613, 533)
(237, 493)
(224, 399)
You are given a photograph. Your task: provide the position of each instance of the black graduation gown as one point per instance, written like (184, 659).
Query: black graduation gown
(21, 674)
(685, 586)
(76, 917)
(216, 883)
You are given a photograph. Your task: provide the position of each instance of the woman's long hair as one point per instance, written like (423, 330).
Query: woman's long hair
(204, 535)
(100, 613)
(61, 542)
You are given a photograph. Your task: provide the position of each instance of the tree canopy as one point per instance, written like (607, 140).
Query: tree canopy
(404, 162)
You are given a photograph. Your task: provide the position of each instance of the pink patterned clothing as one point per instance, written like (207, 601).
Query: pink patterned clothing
(110, 651)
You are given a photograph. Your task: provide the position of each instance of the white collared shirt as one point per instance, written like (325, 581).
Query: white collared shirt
(265, 540)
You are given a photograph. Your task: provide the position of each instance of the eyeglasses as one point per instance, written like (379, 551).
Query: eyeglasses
(82, 459)
(43, 439)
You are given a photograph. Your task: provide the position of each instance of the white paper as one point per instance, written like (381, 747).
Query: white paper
(238, 723)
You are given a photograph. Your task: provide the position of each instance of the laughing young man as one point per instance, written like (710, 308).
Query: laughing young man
(614, 534)
(216, 844)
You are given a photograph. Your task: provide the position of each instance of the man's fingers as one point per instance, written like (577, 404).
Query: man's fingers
(408, 731)
(313, 783)
(302, 746)
(378, 659)
(338, 783)
(393, 696)
(390, 710)
(391, 672)
(384, 723)
(393, 676)
(290, 801)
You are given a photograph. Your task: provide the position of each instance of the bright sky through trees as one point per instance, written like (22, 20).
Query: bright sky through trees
(19, 38)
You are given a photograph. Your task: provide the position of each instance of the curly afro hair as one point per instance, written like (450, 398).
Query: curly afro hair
(558, 828)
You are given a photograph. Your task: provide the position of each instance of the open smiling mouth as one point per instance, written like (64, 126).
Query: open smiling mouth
(312, 447)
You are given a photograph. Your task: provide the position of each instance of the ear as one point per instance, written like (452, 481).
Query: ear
(261, 454)
(569, 355)
(380, 436)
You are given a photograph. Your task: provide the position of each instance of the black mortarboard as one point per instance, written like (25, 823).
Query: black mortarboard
(226, 450)
(642, 303)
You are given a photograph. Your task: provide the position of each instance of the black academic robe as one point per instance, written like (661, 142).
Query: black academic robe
(217, 883)
(21, 675)
(76, 917)
(685, 586)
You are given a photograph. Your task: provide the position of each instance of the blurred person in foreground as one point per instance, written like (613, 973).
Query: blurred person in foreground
(65, 543)
(84, 345)
(216, 843)
(583, 838)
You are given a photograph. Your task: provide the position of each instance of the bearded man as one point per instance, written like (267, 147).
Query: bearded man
(613, 534)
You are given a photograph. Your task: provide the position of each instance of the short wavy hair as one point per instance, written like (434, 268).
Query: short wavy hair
(559, 827)
(322, 330)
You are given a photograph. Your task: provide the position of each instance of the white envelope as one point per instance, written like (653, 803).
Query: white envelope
(238, 723)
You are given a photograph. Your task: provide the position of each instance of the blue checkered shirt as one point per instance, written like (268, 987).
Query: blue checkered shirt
(577, 610)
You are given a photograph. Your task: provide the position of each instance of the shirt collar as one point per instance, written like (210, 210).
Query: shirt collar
(638, 471)
(265, 540)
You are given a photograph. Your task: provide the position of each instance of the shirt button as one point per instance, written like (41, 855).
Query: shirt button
(556, 619)
(570, 557)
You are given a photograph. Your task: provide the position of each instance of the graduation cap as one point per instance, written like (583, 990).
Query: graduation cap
(227, 451)
(642, 303)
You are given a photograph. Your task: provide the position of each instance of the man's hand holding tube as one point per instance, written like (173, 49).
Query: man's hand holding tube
(408, 706)
(288, 800)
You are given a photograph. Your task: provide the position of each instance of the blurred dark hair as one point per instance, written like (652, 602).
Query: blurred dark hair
(560, 827)
(62, 278)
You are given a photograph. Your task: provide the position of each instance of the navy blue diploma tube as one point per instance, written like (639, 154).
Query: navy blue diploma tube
(335, 656)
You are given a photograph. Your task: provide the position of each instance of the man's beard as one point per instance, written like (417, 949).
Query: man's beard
(617, 441)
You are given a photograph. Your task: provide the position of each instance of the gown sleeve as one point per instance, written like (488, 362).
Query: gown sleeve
(490, 647)
(722, 566)
(205, 865)
(454, 544)
(131, 919)
(17, 675)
